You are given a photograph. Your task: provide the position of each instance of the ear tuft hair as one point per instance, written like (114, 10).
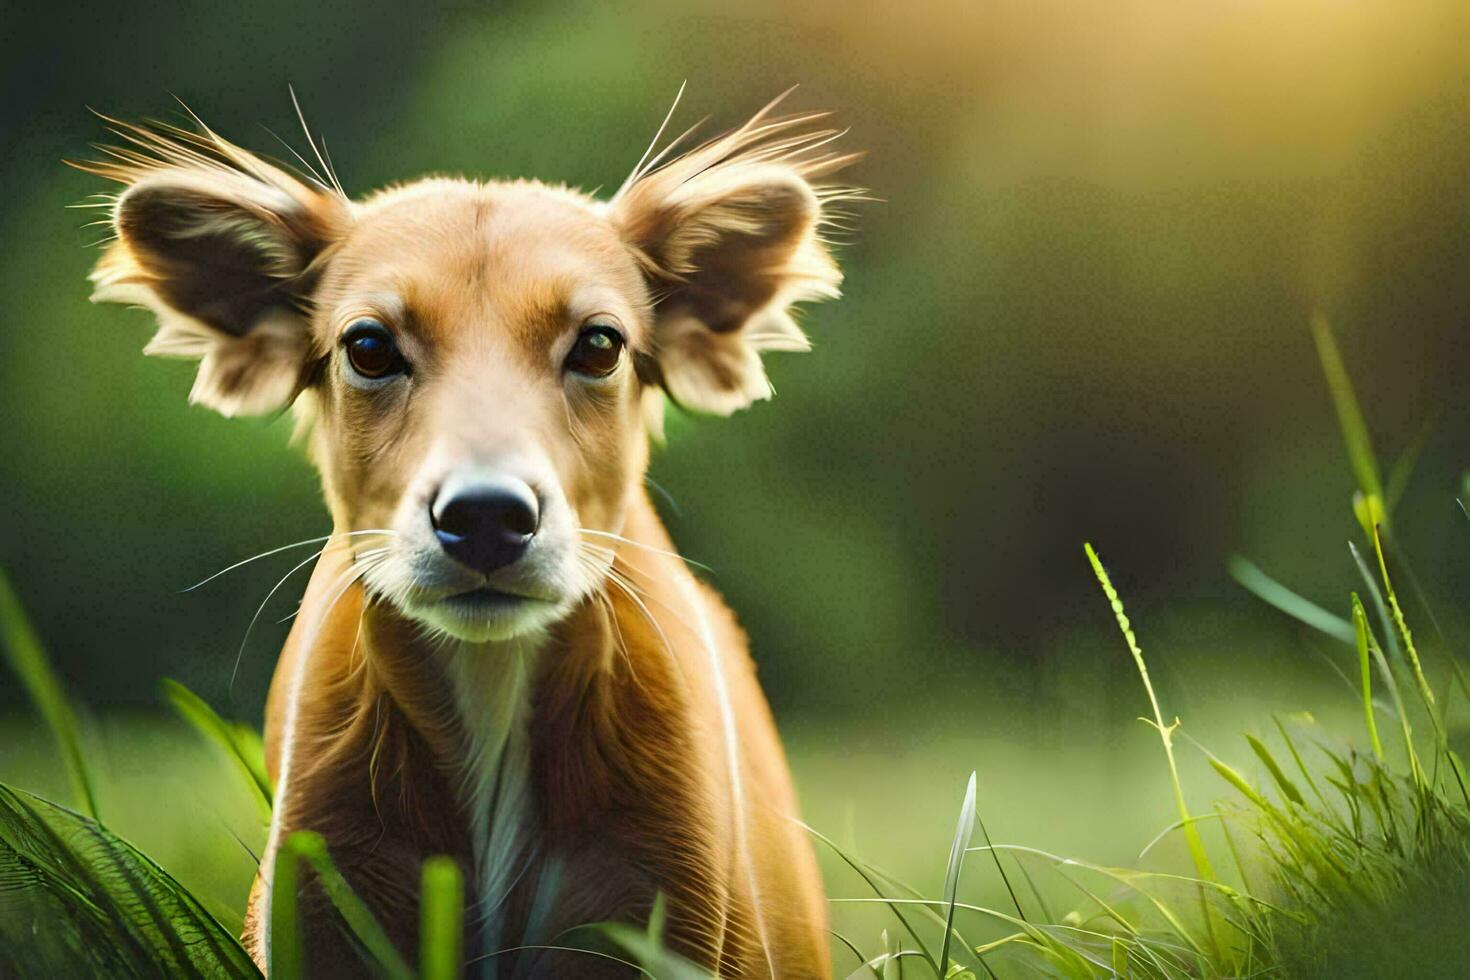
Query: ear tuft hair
(729, 235)
(220, 245)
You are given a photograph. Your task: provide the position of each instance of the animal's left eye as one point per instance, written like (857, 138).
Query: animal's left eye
(596, 352)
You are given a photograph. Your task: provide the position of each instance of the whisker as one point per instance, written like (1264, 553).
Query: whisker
(285, 547)
(645, 547)
(605, 601)
(240, 654)
(631, 588)
(370, 561)
(348, 578)
(622, 573)
(673, 504)
(612, 617)
(636, 595)
(643, 608)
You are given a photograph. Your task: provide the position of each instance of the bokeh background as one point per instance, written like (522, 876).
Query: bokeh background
(1078, 312)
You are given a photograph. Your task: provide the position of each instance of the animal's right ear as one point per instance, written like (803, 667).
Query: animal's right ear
(220, 246)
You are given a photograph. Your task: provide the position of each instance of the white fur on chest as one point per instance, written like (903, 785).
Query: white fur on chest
(492, 693)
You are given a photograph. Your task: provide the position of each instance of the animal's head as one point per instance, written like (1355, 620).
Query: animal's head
(477, 364)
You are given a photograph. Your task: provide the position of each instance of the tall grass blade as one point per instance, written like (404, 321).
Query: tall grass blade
(1360, 629)
(646, 946)
(924, 907)
(1287, 787)
(1369, 505)
(1191, 833)
(1176, 825)
(851, 947)
(1296, 756)
(962, 834)
(78, 901)
(868, 879)
(1307, 845)
(1390, 640)
(441, 919)
(239, 744)
(287, 960)
(1425, 691)
(1005, 879)
(1264, 587)
(1417, 591)
(28, 659)
(311, 848)
(1396, 613)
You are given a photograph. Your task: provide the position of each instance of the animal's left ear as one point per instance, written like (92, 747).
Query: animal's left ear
(729, 238)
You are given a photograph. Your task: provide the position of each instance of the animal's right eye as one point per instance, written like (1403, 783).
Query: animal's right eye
(371, 350)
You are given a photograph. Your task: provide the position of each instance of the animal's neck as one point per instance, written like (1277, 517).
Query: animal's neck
(491, 687)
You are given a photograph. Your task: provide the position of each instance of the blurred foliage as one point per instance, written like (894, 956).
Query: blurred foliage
(1080, 310)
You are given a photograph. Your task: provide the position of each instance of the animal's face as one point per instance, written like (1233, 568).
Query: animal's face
(475, 362)
(479, 398)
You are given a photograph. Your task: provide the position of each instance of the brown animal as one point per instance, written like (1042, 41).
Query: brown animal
(499, 656)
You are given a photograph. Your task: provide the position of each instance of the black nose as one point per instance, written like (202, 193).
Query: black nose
(486, 524)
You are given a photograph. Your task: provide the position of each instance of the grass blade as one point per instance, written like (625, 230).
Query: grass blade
(1360, 628)
(441, 920)
(892, 904)
(76, 900)
(28, 659)
(1191, 833)
(1005, 878)
(310, 847)
(1272, 592)
(1354, 431)
(287, 962)
(1396, 613)
(1390, 640)
(852, 948)
(1296, 756)
(1426, 693)
(962, 834)
(1283, 783)
(240, 745)
(647, 948)
(926, 909)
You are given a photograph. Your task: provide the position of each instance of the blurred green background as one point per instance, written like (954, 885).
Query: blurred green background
(1078, 312)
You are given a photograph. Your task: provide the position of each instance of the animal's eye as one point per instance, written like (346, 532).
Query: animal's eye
(596, 352)
(371, 350)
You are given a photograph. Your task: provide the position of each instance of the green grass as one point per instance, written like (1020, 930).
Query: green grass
(1323, 855)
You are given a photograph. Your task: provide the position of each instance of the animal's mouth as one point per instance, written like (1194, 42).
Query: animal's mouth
(487, 599)
(422, 585)
(485, 613)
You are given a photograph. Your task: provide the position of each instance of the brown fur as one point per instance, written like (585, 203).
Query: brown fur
(638, 675)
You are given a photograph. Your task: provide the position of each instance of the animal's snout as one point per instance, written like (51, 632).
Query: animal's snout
(485, 522)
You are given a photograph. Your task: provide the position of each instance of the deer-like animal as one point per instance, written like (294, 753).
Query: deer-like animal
(500, 656)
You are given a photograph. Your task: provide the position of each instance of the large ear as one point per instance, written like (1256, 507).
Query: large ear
(729, 237)
(220, 246)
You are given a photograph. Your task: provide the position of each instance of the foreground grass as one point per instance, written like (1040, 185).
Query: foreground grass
(1330, 858)
(1037, 785)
